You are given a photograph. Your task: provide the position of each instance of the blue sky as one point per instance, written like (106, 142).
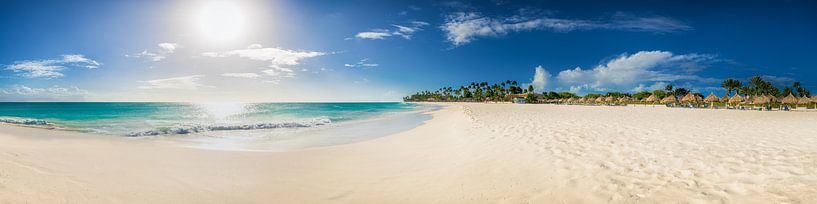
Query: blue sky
(212, 50)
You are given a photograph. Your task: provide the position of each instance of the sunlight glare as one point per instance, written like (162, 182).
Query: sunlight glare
(221, 21)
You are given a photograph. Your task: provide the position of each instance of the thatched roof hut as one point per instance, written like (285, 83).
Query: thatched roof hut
(804, 100)
(736, 99)
(790, 99)
(609, 99)
(624, 99)
(814, 99)
(692, 98)
(725, 98)
(583, 100)
(599, 100)
(651, 99)
(669, 99)
(712, 98)
(761, 100)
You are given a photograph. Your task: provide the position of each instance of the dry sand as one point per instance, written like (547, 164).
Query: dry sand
(468, 153)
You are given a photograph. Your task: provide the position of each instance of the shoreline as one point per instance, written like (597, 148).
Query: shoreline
(466, 153)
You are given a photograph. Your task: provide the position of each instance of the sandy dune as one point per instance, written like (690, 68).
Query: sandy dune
(469, 153)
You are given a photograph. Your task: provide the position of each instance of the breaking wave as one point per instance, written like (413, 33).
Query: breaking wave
(24, 121)
(189, 129)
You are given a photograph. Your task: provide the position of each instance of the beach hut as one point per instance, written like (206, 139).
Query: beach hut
(669, 100)
(712, 99)
(736, 99)
(790, 99)
(804, 101)
(651, 99)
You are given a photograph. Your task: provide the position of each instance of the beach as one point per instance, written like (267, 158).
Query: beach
(466, 153)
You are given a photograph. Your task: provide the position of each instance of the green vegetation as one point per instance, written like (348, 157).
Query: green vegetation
(508, 90)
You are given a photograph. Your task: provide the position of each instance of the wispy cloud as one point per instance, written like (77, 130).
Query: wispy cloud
(627, 72)
(23, 93)
(242, 75)
(165, 49)
(276, 56)
(362, 63)
(463, 27)
(183, 82)
(51, 68)
(404, 31)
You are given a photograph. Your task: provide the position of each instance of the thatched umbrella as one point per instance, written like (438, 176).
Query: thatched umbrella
(790, 99)
(669, 99)
(712, 99)
(736, 99)
(725, 98)
(691, 98)
(803, 100)
(609, 99)
(583, 100)
(624, 99)
(600, 100)
(762, 100)
(651, 99)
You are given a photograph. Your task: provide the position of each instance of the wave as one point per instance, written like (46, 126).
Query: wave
(188, 129)
(24, 121)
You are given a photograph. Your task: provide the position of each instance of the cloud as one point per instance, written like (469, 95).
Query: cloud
(541, 77)
(184, 82)
(51, 68)
(25, 93)
(165, 49)
(463, 27)
(404, 31)
(362, 63)
(276, 56)
(242, 75)
(627, 73)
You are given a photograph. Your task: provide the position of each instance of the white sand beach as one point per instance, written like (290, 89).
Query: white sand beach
(468, 153)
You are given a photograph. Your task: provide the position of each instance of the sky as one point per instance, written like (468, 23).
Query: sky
(304, 50)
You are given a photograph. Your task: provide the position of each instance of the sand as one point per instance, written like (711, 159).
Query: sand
(468, 153)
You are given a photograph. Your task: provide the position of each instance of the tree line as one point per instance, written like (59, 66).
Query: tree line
(506, 90)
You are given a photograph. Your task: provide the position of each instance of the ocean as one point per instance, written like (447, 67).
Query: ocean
(220, 120)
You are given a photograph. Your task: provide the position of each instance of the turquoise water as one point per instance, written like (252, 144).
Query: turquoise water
(145, 119)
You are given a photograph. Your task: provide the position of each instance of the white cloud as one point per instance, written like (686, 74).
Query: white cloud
(362, 63)
(165, 49)
(276, 56)
(184, 82)
(541, 78)
(627, 73)
(242, 75)
(405, 31)
(464, 27)
(51, 68)
(24, 93)
(373, 35)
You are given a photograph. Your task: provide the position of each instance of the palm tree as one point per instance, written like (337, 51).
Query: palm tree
(668, 88)
(730, 84)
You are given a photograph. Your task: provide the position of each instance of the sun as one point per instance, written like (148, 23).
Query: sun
(220, 21)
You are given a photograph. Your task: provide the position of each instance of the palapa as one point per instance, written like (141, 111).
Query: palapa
(669, 99)
(712, 98)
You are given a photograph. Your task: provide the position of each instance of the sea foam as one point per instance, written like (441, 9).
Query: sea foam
(23, 121)
(188, 129)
